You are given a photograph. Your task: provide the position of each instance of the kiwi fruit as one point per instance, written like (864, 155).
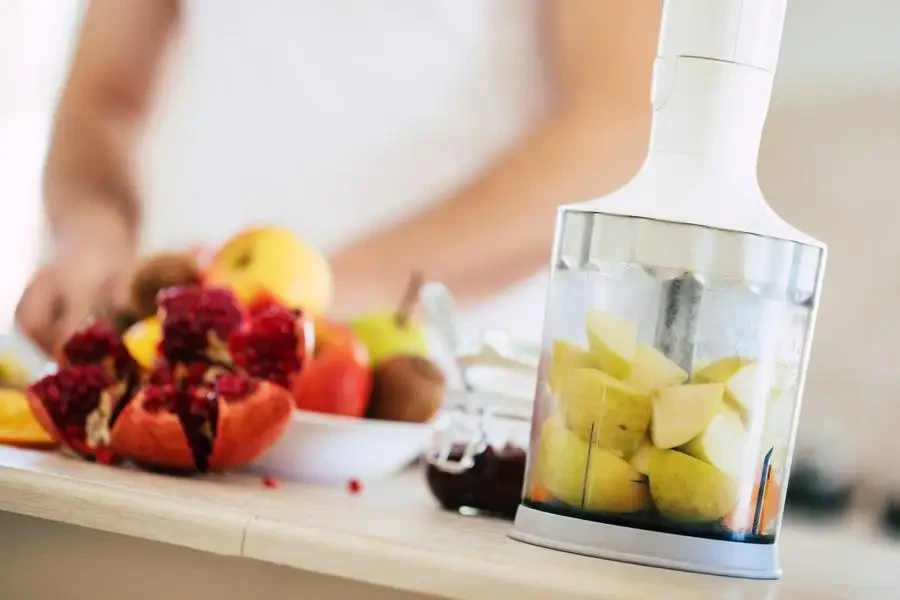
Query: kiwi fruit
(156, 272)
(407, 388)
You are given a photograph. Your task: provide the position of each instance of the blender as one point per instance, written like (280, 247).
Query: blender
(678, 326)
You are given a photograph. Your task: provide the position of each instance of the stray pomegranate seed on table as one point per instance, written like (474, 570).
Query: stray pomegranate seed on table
(270, 482)
(354, 486)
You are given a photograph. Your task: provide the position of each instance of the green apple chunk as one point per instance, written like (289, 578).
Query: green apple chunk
(640, 460)
(602, 481)
(566, 357)
(613, 342)
(682, 412)
(651, 370)
(747, 386)
(723, 444)
(689, 490)
(605, 410)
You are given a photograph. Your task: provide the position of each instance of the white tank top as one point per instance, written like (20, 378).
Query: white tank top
(338, 118)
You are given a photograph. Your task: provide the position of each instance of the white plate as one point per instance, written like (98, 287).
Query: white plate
(326, 448)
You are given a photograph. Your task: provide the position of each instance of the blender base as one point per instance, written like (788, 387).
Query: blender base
(626, 544)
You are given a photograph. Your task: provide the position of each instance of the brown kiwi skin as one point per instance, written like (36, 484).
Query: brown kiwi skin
(157, 272)
(407, 388)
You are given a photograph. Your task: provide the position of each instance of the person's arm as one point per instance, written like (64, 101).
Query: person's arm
(89, 182)
(498, 229)
(89, 185)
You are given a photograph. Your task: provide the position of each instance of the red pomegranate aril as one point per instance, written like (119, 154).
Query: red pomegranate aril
(231, 387)
(98, 343)
(197, 322)
(270, 345)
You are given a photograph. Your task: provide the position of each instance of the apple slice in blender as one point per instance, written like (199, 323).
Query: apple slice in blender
(601, 408)
(723, 444)
(640, 460)
(746, 385)
(682, 412)
(566, 358)
(602, 481)
(613, 342)
(689, 490)
(651, 370)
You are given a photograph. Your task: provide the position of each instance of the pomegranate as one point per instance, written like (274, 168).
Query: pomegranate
(204, 417)
(76, 406)
(217, 398)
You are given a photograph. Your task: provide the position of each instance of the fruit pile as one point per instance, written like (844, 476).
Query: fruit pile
(217, 397)
(205, 366)
(635, 436)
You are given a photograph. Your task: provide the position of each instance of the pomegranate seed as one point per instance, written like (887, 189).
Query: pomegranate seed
(270, 482)
(104, 456)
(355, 487)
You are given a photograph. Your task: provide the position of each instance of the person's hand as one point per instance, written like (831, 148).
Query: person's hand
(85, 276)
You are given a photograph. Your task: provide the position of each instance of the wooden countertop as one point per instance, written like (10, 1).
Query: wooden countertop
(392, 534)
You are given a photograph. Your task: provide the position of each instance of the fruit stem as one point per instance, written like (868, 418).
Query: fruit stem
(410, 297)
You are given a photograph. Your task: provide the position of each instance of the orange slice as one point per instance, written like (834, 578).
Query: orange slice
(18, 427)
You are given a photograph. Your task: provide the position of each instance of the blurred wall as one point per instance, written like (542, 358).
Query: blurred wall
(35, 37)
(829, 164)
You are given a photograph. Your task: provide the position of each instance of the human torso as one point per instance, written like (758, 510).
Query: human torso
(337, 118)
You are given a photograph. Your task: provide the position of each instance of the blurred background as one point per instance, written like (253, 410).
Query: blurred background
(828, 165)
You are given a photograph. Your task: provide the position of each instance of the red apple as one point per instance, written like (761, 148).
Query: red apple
(338, 378)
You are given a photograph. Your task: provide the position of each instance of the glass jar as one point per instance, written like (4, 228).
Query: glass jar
(476, 462)
(669, 385)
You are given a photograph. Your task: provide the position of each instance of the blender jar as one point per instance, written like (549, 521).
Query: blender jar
(668, 389)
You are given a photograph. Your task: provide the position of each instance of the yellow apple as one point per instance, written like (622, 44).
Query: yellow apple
(601, 481)
(613, 342)
(12, 373)
(272, 261)
(605, 410)
(565, 358)
(142, 341)
(723, 444)
(682, 412)
(651, 370)
(689, 490)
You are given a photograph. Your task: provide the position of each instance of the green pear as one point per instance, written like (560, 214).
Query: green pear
(689, 490)
(613, 342)
(385, 335)
(606, 411)
(723, 444)
(651, 370)
(565, 358)
(682, 412)
(600, 481)
(640, 460)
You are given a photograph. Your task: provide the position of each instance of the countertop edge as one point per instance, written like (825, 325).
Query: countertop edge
(114, 509)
